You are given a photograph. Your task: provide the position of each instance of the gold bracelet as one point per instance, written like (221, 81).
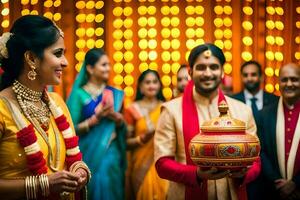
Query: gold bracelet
(44, 184)
(27, 187)
(86, 125)
(31, 187)
(139, 140)
(80, 164)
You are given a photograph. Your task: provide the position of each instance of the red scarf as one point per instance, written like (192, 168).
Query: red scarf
(190, 123)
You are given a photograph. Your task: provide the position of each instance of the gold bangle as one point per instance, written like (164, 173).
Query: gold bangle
(80, 164)
(139, 140)
(44, 184)
(31, 187)
(86, 125)
(27, 187)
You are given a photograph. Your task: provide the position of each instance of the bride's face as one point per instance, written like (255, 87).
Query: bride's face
(50, 67)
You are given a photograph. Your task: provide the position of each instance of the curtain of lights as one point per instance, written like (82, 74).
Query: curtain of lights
(159, 34)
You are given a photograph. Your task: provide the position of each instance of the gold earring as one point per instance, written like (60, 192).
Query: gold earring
(32, 74)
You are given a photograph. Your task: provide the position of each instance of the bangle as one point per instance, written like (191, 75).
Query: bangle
(86, 125)
(44, 185)
(139, 140)
(93, 120)
(31, 187)
(80, 164)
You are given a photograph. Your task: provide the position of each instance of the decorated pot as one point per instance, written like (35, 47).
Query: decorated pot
(224, 144)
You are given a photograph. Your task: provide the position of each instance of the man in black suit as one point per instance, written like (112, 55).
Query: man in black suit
(252, 95)
(256, 98)
(279, 132)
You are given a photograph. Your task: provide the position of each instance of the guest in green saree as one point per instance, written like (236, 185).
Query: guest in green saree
(95, 110)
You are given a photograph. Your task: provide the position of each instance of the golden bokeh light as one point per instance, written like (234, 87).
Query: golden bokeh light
(153, 66)
(165, 33)
(200, 32)
(175, 44)
(128, 23)
(117, 11)
(227, 68)
(165, 10)
(142, 10)
(247, 56)
(128, 68)
(152, 33)
(174, 10)
(166, 68)
(143, 55)
(247, 25)
(165, 21)
(128, 80)
(166, 44)
(269, 88)
(175, 56)
(143, 67)
(152, 44)
(190, 21)
(151, 21)
(118, 68)
(167, 92)
(228, 10)
(247, 40)
(269, 71)
(118, 79)
(166, 80)
(129, 91)
(166, 56)
(190, 10)
(118, 56)
(142, 21)
(152, 55)
(218, 22)
(118, 45)
(248, 10)
(127, 11)
(118, 23)
(142, 33)
(199, 10)
(199, 21)
(269, 55)
(151, 10)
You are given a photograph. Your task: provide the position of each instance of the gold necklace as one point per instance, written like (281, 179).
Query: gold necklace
(93, 89)
(27, 99)
(26, 93)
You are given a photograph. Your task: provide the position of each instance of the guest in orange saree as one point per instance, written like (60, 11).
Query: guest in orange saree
(141, 117)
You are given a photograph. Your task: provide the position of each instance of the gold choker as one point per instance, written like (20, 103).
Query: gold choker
(26, 93)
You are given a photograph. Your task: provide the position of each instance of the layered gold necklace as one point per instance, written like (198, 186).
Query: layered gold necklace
(27, 100)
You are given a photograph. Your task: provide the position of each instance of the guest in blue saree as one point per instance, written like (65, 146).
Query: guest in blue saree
(95, 110)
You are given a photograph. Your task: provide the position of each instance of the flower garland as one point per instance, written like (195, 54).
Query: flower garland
(28, 140)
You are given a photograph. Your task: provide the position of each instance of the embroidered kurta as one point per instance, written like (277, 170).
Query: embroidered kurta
(169, 142)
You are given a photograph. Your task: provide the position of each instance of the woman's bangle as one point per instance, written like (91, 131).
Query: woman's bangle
(86, 125)
(93, 120)
(32, 184)
(80, 164)
(139, 140)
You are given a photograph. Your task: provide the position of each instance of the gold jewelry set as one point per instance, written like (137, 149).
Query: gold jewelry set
(34, 184)
(27, 99)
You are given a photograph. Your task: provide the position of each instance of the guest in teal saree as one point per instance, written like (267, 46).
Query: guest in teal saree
(95, 110)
